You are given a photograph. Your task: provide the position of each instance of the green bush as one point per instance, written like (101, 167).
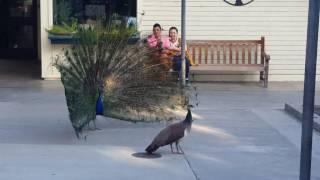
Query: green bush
(64, 29)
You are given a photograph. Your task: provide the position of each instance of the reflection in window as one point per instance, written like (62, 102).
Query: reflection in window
(20, 8)
(88, 11)
(20, 36)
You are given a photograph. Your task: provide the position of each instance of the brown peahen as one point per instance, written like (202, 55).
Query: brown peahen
(171, 134)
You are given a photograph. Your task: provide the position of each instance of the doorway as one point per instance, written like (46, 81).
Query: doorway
(18, 32)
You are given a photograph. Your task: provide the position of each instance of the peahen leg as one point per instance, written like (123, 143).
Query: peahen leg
(180, 149)
(171, 148)
(177, 143)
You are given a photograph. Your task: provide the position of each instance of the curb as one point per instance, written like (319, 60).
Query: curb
(296, 111)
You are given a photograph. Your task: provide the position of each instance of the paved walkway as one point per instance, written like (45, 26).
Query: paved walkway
(240, 132)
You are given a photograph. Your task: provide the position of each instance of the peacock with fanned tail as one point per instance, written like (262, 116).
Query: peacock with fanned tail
(128, 76)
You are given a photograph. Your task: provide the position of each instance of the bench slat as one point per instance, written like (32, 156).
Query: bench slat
(249, 54)
(212, 54)
(199, 55)
(218, 54)
(243, 54)
(256, 54)
(206, 54)
(223, 41)
(255, 67)
(230, 53)
(237, 54)
(194, 55)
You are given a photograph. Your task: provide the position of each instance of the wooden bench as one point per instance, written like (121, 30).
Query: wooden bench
(229, 55)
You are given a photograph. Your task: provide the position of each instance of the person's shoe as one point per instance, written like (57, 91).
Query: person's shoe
(188, 83)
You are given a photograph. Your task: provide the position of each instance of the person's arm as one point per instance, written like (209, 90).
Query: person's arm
(178, 49)
(152, 41)
(186, 48)
(159, 44)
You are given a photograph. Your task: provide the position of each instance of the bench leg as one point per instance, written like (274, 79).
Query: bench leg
(265, 78)
(266, 73)
(261, 75)
(262, 78)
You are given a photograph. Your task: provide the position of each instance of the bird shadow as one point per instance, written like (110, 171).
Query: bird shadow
(146, 155)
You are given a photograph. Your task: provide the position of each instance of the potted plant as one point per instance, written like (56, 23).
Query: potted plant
(63, 34)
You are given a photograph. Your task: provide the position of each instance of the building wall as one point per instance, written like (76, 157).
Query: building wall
(48, 51)
(282, 22)
(38, 31)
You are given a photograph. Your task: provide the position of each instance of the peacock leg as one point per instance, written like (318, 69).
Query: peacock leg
(94, 125)
(90, 123)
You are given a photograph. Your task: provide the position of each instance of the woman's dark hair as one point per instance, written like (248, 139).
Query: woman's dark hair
(157, 25)
(173, 28)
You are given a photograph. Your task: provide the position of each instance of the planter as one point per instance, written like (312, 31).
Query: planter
(62, 39)
(70, 39)
(133, 39)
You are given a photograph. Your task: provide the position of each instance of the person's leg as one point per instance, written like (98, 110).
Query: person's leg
(177, 63)
(166, 63)
(187, 69)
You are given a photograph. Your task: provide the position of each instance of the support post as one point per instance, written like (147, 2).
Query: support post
(309, 90)
(183, 42)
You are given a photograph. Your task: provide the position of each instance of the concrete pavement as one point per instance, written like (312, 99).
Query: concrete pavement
(240, 132)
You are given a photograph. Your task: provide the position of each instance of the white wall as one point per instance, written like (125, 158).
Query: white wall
(282, 22)
(38, 31)
(48, 51)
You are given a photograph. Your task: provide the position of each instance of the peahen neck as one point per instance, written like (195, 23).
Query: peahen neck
(188, 119)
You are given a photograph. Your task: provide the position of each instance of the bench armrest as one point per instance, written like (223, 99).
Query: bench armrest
(266, 59)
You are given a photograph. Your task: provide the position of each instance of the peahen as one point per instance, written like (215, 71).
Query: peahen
(171, 134)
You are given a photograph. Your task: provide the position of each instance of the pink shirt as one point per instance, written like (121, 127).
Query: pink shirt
(152, 41)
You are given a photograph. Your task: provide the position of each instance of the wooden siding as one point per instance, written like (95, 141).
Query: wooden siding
(282, 22)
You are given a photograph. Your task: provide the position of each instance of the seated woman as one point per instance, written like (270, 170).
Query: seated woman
(174, 46)
(161, 43)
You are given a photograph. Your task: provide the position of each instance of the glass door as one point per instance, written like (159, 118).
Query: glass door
(18, 32)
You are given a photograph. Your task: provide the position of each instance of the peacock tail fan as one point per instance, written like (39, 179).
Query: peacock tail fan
(136, 85)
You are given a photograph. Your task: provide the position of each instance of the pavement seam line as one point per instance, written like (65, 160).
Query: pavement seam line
(190, 166)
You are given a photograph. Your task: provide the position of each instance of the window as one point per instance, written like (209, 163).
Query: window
(88, 11)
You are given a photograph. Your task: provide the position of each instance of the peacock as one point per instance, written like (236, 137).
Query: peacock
(134, 85)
